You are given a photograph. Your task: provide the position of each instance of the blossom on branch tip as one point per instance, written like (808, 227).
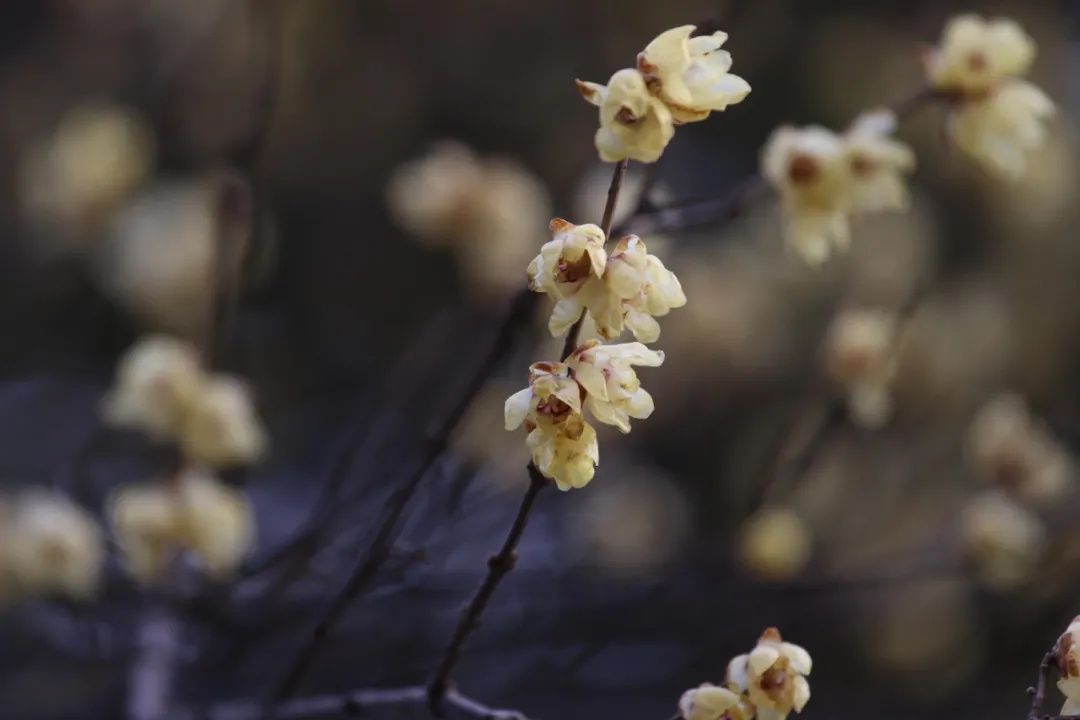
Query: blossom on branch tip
(221, 427)
(634, 124)
(710, 702)
(876, 162)
(606, 372)
(773, 675)
(690, 74)
(997, 118)
(156, 381)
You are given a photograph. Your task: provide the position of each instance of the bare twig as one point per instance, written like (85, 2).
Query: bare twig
(154, 666)
(1038, 692)
(499, 565)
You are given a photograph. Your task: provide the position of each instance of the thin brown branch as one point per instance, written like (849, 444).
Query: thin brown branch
(499, 566)
(1038, 692)
(368, 566)
(605, 225)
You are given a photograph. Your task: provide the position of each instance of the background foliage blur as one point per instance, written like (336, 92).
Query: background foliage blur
(285, 119)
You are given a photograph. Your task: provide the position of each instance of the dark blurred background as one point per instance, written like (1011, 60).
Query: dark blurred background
(283, 122)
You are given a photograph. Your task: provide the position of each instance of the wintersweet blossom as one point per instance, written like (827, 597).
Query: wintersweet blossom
(1068, 660)
(639, 290)
(574, 256)
(775, 543)
(634, 124)
(690, 74)
(563, 445)
(147, 524)
(877, 163)
(1013, 450)
(55, 547)
(773, 675)
(860, 350)
(710, 702)
(1003, 538)
(997, 117)
(218, 523)
(606, 372)
(221, 427)
(156, 381)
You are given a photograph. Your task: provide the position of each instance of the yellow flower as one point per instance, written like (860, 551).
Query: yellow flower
(218, 523)
(634, 124)
(639, 289)
(975, 54)
(55, 547)
(710, 702)
(690, 74)
(773, 675)
(1068, 658)
(876, 162)
(1001, 129)
(221, 427)
(562, 444)
(860, 357)
(809, 169)
(155, 383)
(774, 544)
(563, 269)
(1003, 538)
(606, 373)
(148, 526)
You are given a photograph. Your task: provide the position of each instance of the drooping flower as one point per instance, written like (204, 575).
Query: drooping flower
(1013, 450)
(997, 117)
(56, 547)
(156, 381)
(773, 675)
(1003, 539)
(221, 427)
(563, 445)
(639, 290)
(690, 74)
(634, 124)
(574, 256)
(606, 372)
(710, 702)
(877, 163)
(809, 169)
(860, 355)
(1068, 660)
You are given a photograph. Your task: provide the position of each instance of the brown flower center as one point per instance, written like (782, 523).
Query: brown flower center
(803, 170)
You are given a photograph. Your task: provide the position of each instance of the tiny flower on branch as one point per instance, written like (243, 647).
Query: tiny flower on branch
(640, 289)
(634, 124)
(155, 384)
(1013, 450)
(773, 676)
(613, 390)
(563, 445)
(1068, 660)
(997, 117)
(221, 427)
(710, 702)
(860, 357)
(564, 268)
(690, 74)
(1004, 539)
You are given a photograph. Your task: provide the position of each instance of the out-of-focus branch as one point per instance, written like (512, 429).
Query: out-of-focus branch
(153, 668)
(352, 704)
(499, 566)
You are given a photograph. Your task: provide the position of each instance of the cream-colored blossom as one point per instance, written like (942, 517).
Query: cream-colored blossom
(975, 54)
(147, 523)
(155, 384)
(690, 74)
(1003, 538)
(877, 163)
(634, 124)
(606, 372)
(1013, 450)
(221, 427)
(217, 522)
(774, 544)
(489, 210)
(563, 269)
(1000, 130)
(860, 356)
(1068, 660)
(710, 702)
(563, 445)
(55, 548)
(639, 289)
(773, 675)
(809, 169)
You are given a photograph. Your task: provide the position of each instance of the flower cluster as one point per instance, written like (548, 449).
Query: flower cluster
(626, 289)
(997, 117)
(48, 546)
(162, 390)
(769, 683)
(599, 378)
(678, 79)
(860, 357)
(824, 178)
(490, 211)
